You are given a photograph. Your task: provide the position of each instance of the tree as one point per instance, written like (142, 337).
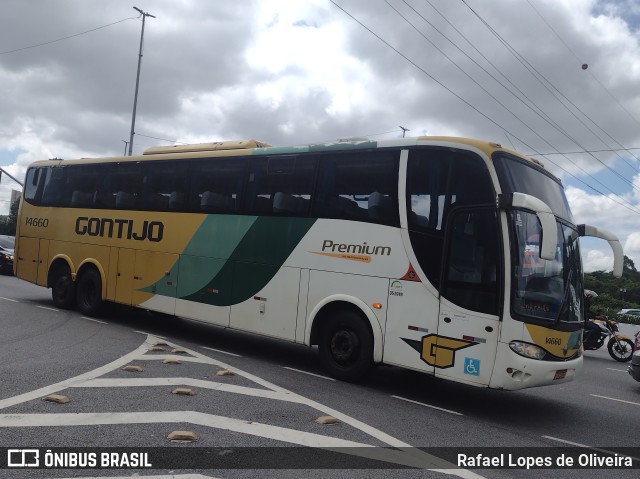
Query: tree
(13, 217)
(615, 293)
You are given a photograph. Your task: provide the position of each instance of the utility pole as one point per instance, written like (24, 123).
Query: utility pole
(135, 98)
(404, 130)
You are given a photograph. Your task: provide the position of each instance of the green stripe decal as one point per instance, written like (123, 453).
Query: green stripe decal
(205, 254)
(255, 260)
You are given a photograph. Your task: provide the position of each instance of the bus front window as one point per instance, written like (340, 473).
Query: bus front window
(545, 289)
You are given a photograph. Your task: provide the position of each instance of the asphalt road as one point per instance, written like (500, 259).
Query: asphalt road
(272, 399)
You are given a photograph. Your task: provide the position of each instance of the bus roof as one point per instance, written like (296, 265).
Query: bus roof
(255, 147)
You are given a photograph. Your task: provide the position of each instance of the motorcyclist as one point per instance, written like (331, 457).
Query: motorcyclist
(591, 329)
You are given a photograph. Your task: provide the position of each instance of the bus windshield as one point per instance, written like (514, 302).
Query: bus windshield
(547, 290)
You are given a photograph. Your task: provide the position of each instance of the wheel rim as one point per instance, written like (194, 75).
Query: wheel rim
(622, 349)
(344, 347)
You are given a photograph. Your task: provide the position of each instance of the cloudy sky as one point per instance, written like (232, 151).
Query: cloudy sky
(557, 79)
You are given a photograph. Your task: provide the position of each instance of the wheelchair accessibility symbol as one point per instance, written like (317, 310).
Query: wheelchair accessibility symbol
(472, 366)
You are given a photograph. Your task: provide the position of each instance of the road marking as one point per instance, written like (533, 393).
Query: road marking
(9, 299)
(564, 441)
(428, 405)
(94, 320)
(197, 383)
(614, 399)
(400, 453)
(220, 351)
(411, 457)
(107, 368)
(149, 334)
(621, 370)
(307, 372)
(50, 309)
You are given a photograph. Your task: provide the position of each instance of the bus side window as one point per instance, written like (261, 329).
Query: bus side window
(472, 262)
(121, 187)
(359, 186)
(82, 184)
(280, 185)
(216, 185)
(31, 184)
(54, 187)
(164, 186)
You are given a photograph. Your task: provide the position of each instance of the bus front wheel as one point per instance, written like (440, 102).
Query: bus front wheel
(89, 294)
(346, 346)
(63, 289)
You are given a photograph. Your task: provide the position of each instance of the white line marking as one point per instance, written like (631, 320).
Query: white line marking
(150, 334)
(402, 454)
(307, 372)
(614, 399)
(428, 405)
(198, 383)
(366, 428)
(220, 351)
(410, 457)
(564, 441)
(621, 370)
(50, 309)
(38, 393)
(9, 299)
(94, 320)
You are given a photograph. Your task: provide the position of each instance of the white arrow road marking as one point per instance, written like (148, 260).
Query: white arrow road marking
(403, 453)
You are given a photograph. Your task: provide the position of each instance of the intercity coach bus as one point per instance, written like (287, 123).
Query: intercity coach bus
(455, 257)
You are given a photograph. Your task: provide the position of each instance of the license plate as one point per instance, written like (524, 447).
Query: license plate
(560, 374)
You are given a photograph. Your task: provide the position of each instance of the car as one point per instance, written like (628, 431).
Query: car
(634, 367)
(633, 312)
(7, 244)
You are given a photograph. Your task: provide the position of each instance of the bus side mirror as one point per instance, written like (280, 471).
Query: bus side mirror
(614, 242)
(544, 214)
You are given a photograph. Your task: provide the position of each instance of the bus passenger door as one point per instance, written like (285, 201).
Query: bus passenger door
(469, 321)
(27, 257)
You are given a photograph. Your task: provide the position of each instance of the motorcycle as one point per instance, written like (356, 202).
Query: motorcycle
(620, 347)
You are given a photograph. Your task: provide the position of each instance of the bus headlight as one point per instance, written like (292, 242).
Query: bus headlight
(527, 350)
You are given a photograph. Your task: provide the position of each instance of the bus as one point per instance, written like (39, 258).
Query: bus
(450, 256)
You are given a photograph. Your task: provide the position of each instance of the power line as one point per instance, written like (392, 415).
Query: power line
(472, 106)
(537, 75)
(161, 139)
(489, 93)
(579, 61)
(67, 37)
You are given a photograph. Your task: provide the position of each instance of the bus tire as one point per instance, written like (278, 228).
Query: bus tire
(346, 346)
(63, 289)
(89, 293)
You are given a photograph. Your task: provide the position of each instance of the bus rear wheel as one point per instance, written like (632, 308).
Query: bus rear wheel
(346, 346)
(89, 294)
(63, 289)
